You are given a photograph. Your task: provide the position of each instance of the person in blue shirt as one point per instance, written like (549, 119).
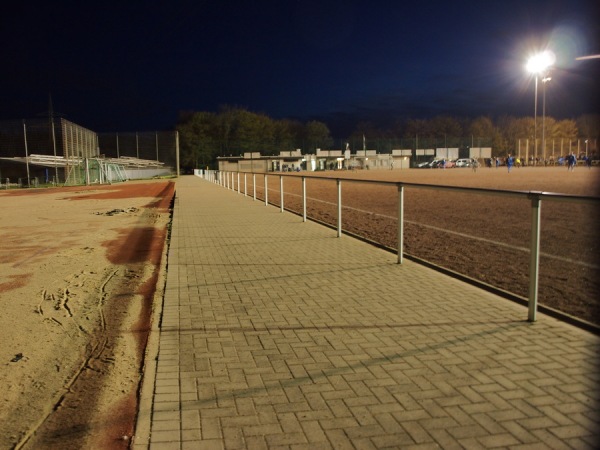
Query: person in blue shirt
(509, 162)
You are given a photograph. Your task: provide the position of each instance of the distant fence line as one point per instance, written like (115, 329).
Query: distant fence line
(550, 150)
(385, 145)
(544, 148)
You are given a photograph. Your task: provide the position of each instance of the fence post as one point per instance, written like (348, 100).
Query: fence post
(281, 191)
(339, 206)
(266, 192)
(254, 185)
(239, 189)
(304, 199)
(400, 222)
(245, 186)
(534, 264)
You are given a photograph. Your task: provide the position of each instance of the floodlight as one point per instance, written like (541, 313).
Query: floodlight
(540, 62)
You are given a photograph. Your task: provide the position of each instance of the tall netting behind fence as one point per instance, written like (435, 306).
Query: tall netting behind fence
(158, 146)
(57, 151)
(49, 137)
(44, 150)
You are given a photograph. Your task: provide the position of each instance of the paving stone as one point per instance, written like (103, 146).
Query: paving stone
(275, 333)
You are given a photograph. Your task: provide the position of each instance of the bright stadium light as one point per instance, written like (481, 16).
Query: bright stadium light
(538, 65)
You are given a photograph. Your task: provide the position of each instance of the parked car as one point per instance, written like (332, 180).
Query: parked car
(464, 162)
(435, 164)
(424, 165)
(442, 163)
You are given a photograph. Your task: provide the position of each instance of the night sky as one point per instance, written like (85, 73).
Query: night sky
(133, 66)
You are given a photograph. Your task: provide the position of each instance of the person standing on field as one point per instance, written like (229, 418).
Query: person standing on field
(509, 162)
(571, 161)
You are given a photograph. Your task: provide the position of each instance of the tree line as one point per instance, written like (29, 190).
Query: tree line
(233, 131)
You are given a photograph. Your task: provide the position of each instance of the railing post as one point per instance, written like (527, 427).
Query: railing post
(400, 222)
(245, 185)
(339, 206)
(239, 189)
(304, 199)
(254, 185)
(266, 192)
(534, 263)
(281, 191)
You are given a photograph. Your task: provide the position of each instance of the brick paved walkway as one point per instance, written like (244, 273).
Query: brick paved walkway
(277, 334)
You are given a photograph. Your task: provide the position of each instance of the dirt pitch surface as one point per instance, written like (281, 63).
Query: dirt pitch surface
(78, 272)
(486, 238)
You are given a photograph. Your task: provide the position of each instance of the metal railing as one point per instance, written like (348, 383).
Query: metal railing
(232, 180)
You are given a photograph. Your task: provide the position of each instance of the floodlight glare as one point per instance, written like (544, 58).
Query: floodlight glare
(540, 62)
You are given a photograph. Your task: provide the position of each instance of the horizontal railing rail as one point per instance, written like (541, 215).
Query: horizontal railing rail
(233, 181)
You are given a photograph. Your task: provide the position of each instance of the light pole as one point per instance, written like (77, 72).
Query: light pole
(544, 81)
(536, 65)
(586, 148)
